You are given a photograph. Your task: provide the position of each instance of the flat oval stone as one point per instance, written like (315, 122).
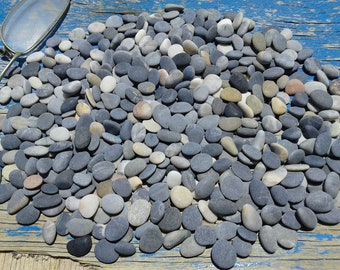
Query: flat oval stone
(27, 215)
(89, 205)
(151, 240)
(181, 197)
(175, 238)
(274, 177)
(105, 252)
(103, 170)
(116, 228)
(139, 212)
(189, 248)
(49, 232)
(223, 254)
(112, 204)
(251, 218)
(268, 239)
(319, 202)
(79, 247)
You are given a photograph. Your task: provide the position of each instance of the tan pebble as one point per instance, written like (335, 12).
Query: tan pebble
(255, 104)
(18, 122)
(181, 197)
(335, 129)
(230, 94)
(247, 111)
(93, 79)
(141, 149)
(104, 188)
(229, 145)
(135, 182)
(157, 157)
(269, 89)
(88, 205)
(83, 108)
(163, 75)
(280, 150)
(282, 81)
(33, 181)
(6, 170)
(97, 128)
(151, 125)
(251, 219)
(89, 96)
(180, 162)
(229, 123)
(278, 106)
(294, 86)
(190, 47)
(206, 57)
(297, 167)
(274, 177)
(207, 214)
(142, 110)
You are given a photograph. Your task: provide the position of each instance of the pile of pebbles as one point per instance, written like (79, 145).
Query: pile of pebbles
(180, 128)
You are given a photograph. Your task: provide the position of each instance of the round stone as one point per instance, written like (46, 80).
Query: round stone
(223, 254)
(181, 197)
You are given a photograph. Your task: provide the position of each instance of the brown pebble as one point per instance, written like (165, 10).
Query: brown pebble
(294, 86)
(104, 188)
(33, 181)
(142, 110)
(83, 108)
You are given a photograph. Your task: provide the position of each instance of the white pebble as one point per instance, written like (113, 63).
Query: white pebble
(35, 82)
(96, 27)
(35, 57)
(174, 50)
(62, 59)
(59, 134)
(65, 45)
(5, 94)
(107, 84)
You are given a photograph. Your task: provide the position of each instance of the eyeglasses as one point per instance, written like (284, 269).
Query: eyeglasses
(27, 25)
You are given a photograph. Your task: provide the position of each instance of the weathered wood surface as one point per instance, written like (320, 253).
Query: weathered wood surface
(315, 23)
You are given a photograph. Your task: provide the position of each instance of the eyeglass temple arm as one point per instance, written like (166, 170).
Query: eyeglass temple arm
(14, 57)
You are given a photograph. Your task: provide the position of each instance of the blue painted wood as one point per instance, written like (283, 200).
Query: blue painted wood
(316, 24)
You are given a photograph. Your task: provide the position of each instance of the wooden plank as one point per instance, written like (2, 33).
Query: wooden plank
(314, 23)
(315, 250)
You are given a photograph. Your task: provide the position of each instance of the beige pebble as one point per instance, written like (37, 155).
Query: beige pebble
(18, 122)
(7, 169)
(280, 150)
(230, 94)
(89, 95)
(83, 108)
(35, 82)
(157, 157)
(181, 197)
(255, 104)
(274, 177)
(135, 182)
(88, 205)
(97, 128)
(229, 145)
(93, 79)
(180, 162)
(207, 214)
(33, 181)
(251, 219)
(104, 188)
(142, 110)
(269, 89)
(151, 125)
(96, 27)
(297, 167)
(65, 45)
(206, 57)
(278, 106)
(229, 123)
(141, 149)
(282, 81)
(247, 111)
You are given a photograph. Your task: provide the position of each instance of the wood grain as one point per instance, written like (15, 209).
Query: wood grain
(315, 24)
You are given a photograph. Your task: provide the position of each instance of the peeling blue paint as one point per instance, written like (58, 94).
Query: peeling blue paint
(320, 236)
(324, 252)
(297, 248)
(24, 231)
(252, 264)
